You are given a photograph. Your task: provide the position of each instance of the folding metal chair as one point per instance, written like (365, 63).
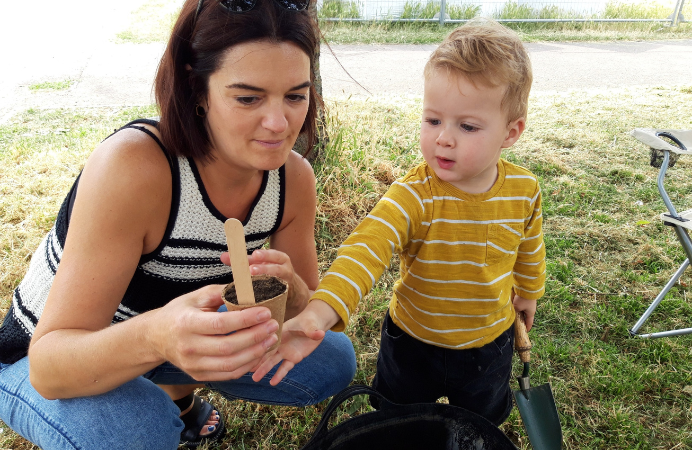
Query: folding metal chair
(666, 147)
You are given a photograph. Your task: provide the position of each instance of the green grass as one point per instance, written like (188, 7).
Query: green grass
(388, 32)
(52, 85)
(339, 9)
(152, 22)
(417, 10)
(432, 33)
(629, 10)
(608, 254)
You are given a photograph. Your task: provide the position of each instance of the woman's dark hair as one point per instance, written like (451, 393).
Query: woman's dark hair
(178, 88)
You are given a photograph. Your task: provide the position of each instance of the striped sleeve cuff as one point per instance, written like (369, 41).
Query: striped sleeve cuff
(529, 294)
(337, 304)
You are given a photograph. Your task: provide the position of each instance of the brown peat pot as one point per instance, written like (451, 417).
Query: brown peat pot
(270, 292)
(426, 426)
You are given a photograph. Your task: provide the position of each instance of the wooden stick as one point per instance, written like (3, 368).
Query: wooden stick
(522, 344)
(235, 237)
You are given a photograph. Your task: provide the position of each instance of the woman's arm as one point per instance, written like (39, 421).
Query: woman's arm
(120, 212)
(113, 219)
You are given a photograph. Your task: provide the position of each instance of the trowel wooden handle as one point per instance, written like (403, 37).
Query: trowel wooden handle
(522, 344)
(237, 249)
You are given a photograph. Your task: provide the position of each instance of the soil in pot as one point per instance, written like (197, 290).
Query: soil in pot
(264, 288)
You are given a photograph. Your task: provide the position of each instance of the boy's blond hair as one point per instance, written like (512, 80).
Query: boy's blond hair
(490, 54)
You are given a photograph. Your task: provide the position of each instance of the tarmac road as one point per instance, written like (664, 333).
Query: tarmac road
(74, 39)
(398, 69)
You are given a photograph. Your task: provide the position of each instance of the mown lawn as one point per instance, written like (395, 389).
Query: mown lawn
(608, 254)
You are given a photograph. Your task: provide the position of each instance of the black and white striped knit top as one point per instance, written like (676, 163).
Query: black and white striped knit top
(186, 259)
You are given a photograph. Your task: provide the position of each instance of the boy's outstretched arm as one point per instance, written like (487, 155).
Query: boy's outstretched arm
(360, 261)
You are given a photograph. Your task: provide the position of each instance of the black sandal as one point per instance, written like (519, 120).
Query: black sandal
(194, 421)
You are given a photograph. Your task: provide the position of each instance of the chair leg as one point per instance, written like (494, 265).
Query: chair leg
(674, 279)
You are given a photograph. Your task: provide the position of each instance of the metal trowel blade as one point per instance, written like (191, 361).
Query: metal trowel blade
(539, 414)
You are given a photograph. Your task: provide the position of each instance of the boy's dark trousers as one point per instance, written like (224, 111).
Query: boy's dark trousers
(477, 379)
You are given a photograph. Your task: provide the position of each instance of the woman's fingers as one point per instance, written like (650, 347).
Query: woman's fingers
(226, 258)
(268, 256)
(207, 298)
(203, 317)
(222, 375)
(271, 262)
(214, 323)
(267, 262)
(224, 345)
(230, 366)
(224, 354)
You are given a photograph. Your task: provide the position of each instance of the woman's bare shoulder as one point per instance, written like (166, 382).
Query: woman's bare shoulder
(127, 177)
(129, 159)
(299, 172)
(301, 191)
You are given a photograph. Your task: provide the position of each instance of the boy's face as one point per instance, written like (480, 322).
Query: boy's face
(464, 130)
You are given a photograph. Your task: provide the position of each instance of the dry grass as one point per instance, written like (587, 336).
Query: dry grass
(608, 254)
(41, 153)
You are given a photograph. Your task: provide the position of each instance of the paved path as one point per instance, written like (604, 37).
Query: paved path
(398, 69)
(44, 40)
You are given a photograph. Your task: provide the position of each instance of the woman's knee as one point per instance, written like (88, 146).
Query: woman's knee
(148, 418)
(133, 416)
(340, 358)
(326, 371)
(335, 362)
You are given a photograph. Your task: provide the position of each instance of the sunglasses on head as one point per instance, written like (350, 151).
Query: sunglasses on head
(241, 6)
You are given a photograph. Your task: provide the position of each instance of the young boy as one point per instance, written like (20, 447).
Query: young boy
(467, 227)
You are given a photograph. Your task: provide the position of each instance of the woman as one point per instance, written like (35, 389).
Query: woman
(137, 242)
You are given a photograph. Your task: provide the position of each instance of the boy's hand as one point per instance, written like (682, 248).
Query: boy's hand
(528, 307)
(300, 336)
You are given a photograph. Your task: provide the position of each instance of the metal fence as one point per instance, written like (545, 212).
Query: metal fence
(533, 11)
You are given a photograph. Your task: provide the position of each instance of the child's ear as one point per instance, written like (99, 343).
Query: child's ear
(514, 130)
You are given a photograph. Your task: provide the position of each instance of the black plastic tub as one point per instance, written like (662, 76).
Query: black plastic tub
(427, 426)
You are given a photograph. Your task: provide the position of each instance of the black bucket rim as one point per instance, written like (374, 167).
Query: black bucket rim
(388, 414)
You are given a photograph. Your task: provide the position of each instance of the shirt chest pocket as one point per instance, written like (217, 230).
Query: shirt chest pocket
(502, 242)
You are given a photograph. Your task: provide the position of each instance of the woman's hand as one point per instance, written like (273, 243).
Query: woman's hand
(278, 264)
(300, 337)
(528, 307)
(211, 345)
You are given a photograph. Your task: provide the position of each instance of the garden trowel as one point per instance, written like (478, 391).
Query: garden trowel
(536, 404)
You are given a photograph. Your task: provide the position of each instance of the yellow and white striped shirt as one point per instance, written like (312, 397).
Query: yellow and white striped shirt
(461, 256)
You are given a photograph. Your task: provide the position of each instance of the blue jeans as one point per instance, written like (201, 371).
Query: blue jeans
(139, 415)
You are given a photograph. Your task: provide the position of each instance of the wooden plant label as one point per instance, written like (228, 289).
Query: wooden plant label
(235, 237)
